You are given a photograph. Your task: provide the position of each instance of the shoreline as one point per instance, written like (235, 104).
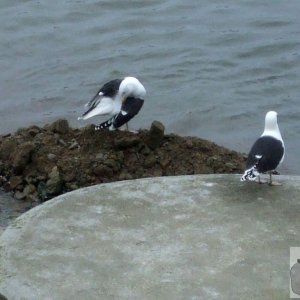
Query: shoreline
(39, 163)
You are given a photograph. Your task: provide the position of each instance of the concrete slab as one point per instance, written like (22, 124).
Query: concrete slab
(186, 237)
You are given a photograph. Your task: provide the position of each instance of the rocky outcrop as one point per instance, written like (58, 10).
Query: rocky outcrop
(37, 164)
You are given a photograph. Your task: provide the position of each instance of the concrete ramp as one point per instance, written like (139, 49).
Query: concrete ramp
(185, 237)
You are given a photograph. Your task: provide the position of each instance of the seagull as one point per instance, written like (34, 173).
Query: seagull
(122, 99)
(267, 153)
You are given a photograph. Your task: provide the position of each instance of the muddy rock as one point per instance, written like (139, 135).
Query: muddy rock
(45, 162)
(103, 171)
(156, 135)
(150, 161)
(7, 147)
(29, 190)
(15, 182)
(54, 185)
(59, 126)
(126, 142)
(19, 195)
(22, 156)
(51, 156)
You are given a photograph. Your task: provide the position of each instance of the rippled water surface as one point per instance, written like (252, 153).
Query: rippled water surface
(212, 69)
(10, 209)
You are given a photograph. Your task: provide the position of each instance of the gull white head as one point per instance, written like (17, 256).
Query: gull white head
(271, 126)
(131, 86)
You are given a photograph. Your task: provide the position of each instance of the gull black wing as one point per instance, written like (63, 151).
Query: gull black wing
(265, 154)
(131, 106)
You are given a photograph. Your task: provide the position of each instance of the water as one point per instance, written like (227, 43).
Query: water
(212, 69)
(10, 209)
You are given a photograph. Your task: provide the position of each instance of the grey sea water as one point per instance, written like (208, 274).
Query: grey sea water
(211, 68)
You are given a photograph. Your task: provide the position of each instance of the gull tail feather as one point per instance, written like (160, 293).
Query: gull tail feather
(250, 174)
(106, 124)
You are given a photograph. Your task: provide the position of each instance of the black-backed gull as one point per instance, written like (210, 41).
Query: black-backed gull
(120, 98)
(267, 153)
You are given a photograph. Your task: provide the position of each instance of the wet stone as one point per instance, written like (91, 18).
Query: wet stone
(126, 142)
(15, 181)
(54, 185)
(59, 126)
(23, 156)
(156, 135)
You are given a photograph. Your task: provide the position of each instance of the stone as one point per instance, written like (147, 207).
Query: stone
(156, 135)
(7, 147)
(59, 126)
(22, 156)
(164, 162)
(29, 189)
(62, 142)
(150, 161)
(126, 142)
(42, 190)
(33, 131)
(101, 156)
(103, 171)
(54, 185)
(51, 156)
(19, 195)
(125, 176)
(15, 181)
(74, 145)
(113, 164)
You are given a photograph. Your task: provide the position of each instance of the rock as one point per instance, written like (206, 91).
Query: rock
(101, 156)
(103, 171)
(126, 142)
(111, 163)
(120, 156)
(84, 156)
(125, 176)
(230, 166)
(72, 186)
(54, 185)
(15, 181)
(31, 177)
(29, 190)
(62, 142)
(51, 156)
(7, 147)
(74, 145)
(42, 190)
(69, 176)
(150, 161)
(164, 162)
(22, 156)
(145, 150)
(19, 195)
(156, 135)
(189, 144)
(59, 126)
(33, 131)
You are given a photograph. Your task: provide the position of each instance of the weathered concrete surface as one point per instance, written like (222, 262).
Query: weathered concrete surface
(186, 237)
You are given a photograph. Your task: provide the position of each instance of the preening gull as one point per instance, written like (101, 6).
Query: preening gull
(122, 99)
(267, 153)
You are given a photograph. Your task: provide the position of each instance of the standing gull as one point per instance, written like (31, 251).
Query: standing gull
(267, 153)
(122, 99)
